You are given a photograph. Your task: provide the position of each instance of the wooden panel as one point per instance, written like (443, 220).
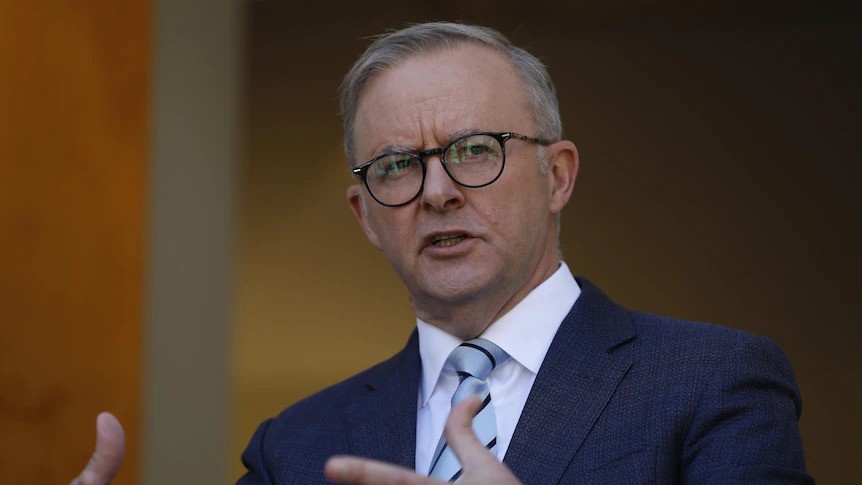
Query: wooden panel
(73, 106)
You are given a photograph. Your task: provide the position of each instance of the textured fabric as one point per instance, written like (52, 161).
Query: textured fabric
(473, 361)
(622, 397)
(525, 333)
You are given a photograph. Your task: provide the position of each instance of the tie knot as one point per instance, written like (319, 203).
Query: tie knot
(476, 358)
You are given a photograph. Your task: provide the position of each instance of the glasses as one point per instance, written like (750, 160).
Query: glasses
(472, 161)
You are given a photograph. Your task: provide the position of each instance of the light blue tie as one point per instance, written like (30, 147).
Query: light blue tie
(473, 360)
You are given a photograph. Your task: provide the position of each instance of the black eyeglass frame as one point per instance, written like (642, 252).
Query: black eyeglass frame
(361, 172)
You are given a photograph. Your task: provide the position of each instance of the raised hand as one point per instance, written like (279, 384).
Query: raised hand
(480, 467)
(110, 450)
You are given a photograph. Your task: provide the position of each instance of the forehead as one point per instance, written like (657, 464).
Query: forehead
(427, 97)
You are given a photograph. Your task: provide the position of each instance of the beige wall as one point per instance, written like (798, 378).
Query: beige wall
(189, 290)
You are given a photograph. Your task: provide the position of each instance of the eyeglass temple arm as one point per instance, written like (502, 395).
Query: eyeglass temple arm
(518, 136)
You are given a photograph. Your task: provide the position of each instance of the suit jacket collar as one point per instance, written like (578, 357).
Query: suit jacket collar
(382, 419)
(586, 361)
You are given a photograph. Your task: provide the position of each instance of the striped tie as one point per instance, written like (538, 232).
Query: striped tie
(473, 360)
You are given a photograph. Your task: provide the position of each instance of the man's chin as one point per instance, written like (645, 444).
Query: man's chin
(453, 292)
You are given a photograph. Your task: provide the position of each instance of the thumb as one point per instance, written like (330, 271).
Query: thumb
(462, 439)
(110, 449)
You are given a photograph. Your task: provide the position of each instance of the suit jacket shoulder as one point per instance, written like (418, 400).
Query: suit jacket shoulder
(627, 397)
(371, 414)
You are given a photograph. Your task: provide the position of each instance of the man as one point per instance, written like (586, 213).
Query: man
(456, 141)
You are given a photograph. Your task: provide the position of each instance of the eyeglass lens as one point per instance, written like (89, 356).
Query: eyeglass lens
(472, 161)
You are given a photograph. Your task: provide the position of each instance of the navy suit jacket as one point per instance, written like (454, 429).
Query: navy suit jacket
(622, 397)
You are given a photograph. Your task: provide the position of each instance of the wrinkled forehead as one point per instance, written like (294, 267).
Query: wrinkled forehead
(426, 97)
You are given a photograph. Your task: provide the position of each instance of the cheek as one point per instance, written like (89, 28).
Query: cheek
(494, 215)
(505, 219)
(518, 207)
(520, 217)
(396, 236)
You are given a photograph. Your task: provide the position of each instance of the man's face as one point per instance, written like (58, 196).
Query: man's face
(504, 234)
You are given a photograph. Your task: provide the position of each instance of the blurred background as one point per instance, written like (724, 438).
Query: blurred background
(176, 246)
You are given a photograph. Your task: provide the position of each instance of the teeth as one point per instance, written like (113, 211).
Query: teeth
(445, 241)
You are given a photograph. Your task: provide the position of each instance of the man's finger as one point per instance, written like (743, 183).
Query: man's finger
(360, 471)
(110, 450)
(459, 434)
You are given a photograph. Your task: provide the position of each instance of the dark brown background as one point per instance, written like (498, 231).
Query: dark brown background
(719, 164)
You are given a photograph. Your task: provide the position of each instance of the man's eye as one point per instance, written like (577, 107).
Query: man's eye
(392, 166)
(472, 153)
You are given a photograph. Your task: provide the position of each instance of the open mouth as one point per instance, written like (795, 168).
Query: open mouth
(448, 240)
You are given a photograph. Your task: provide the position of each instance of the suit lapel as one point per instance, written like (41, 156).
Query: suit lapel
(382, 419)
(586, 361)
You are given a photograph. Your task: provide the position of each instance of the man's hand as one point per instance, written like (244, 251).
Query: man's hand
(480, 466)
(110, 449)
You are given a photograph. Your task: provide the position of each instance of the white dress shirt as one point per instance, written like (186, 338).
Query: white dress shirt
(525, 333)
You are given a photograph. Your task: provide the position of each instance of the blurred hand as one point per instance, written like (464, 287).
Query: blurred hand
(110, 449)
(480, 466)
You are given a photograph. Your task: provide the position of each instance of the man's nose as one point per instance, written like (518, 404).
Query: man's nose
(440, 191)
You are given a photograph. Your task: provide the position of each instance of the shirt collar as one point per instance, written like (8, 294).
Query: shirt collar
(525, 332)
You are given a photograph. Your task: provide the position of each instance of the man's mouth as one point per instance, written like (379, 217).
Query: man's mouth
(448, 240)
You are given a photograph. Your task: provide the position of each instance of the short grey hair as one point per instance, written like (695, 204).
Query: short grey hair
(394, 47)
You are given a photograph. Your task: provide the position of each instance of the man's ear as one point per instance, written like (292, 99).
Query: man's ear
(357, 205)
(562, 171)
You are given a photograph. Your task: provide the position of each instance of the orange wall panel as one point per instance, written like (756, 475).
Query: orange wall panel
(73, 115)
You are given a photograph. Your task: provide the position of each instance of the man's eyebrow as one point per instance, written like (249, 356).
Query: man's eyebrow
(394, 148)
(454, 135)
